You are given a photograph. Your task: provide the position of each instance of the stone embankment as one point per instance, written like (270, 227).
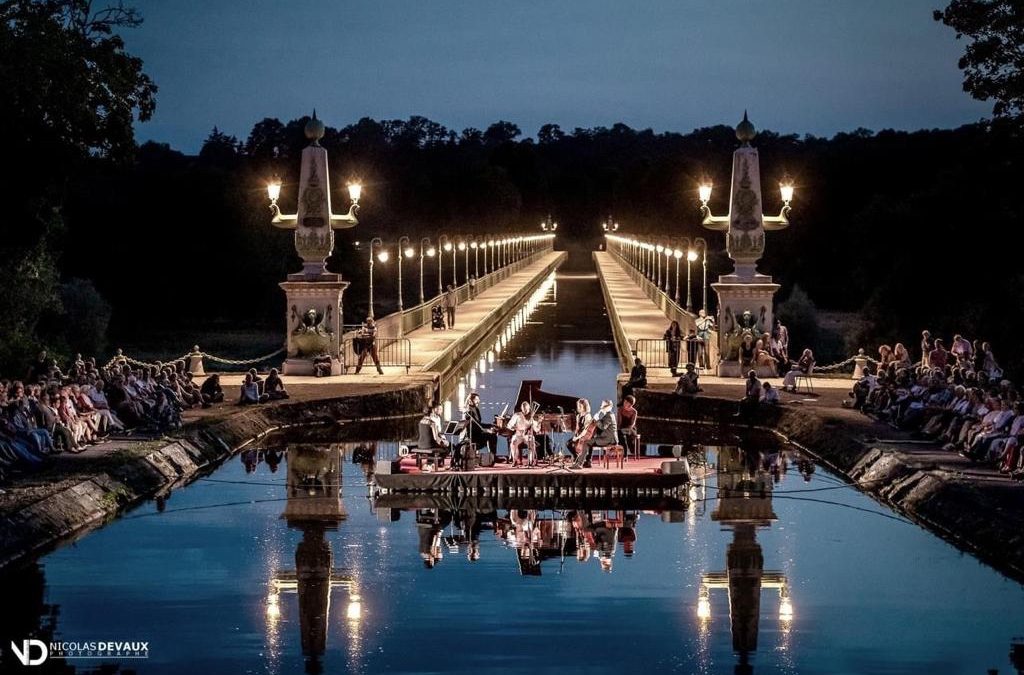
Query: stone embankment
(77, 493)
(975, 509)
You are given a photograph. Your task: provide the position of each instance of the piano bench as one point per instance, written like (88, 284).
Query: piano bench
(613, 451)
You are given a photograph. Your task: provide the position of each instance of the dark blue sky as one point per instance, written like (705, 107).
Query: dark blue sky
(805, 66)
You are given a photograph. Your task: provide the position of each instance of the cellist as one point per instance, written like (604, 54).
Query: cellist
(583, 420)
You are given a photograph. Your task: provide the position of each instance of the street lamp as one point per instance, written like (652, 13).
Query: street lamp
(443, 245)
(476, 257)
(691, 255)
(427, 249)
(548, 225)
(404, 251)
(454, 250)
(609, 225)
(464, 247)
(484, 245)
(382, 256)
(677, 254)
(657, 261)
(668, 275)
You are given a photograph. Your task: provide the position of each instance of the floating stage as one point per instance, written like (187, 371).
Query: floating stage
(643, 477)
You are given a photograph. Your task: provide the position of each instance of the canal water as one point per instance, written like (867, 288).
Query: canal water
(772, 566)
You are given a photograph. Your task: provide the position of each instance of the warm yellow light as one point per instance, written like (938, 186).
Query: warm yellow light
(786, 610)
(462, 246)
(273, 608)
(382, 256)
(786, 188)
(691, 255)
(447, 246)
(274, 189)
(705, 192)
(473, 244)
(355, 610)
(677, 253)
(668, 252)
(659, 248)
(431, 252)
(409, 252)
(355, 190)
(704, 609)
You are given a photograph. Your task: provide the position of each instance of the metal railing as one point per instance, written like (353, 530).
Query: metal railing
(654, 354)
(391, 351)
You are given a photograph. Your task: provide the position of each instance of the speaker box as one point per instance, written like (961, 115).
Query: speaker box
(486, 459)
(386, 467)
(472, 460)
(675, 468)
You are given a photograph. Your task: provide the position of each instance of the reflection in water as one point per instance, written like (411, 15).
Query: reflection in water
(744, 504)
(314, 507)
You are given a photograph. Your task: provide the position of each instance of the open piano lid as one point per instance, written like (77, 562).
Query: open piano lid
(529, 390)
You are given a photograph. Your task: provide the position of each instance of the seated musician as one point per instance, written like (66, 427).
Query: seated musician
(474, 430)
(607, 431)
(627, 422)
(583, 420)
(430, 437)
(523, 425)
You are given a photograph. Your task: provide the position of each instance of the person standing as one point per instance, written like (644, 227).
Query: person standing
(472, 286)
(367, 336)
(449, 305)
(673, 343)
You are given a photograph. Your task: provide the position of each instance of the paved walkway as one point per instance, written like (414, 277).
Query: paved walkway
(640, 318)
(427, 344)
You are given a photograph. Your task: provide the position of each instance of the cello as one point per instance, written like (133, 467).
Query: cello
(579, 445)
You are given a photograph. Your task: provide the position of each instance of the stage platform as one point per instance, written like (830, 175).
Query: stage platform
(638, 478)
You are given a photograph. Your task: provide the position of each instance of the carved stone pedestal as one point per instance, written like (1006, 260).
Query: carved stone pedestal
(736, 296)
(314, 322)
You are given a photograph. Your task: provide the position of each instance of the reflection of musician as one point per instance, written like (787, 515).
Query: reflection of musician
(524, 425)
(583, 420)
(430, 523)
(606, 433)
(474, 430)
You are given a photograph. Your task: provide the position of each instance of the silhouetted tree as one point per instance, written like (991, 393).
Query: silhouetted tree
(993, 62)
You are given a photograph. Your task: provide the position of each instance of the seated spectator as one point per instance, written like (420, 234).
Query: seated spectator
(900, 356)
(769, 394)
(688, 382)
(938, 357)
(803, 366)
(250, 392)
(637, 377)
(274, 386)
(211, 391)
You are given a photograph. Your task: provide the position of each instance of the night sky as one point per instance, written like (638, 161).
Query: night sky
(800, 66)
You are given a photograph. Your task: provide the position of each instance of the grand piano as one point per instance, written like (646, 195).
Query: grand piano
(556, 412)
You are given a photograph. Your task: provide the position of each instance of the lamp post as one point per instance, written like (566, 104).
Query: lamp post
(668, 274)
(443, 245)
(703, 244)
(476, 257)
(463, 246)
(425, 248)
(484, 245)
(548, 225)
(382, 255)
(455, 250)
(657, 261)
(404, 251)
(677, 254)
(609, 225)
(691, 255)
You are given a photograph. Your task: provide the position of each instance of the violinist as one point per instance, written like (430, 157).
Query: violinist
(524, 425)
(583, 420)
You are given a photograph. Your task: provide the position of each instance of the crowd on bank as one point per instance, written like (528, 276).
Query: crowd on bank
(953, 395)
(52, 410)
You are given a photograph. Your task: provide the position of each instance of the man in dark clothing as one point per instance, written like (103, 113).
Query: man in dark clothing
(211, 391)
(751, 397)
(637, 378)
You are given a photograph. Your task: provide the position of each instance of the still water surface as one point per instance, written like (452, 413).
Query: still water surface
(230, 574)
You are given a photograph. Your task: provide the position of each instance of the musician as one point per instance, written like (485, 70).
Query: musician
(523, 425)
(583, 420)
(430, 436)
(627, 423)
(606, 433)
(474, 430)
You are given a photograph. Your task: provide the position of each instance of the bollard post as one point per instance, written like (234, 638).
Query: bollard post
(859, 361)
(194, 362)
